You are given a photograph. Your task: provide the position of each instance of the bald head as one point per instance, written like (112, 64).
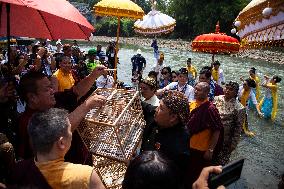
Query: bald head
(201, 91)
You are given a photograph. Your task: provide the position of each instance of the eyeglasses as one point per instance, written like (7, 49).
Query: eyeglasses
(174, 76)
(164, 73)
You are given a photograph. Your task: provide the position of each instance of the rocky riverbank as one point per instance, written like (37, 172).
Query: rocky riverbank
(141, 41)
(259, 54)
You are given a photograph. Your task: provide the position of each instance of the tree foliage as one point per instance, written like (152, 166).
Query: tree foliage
(193, 17)
(108, 26)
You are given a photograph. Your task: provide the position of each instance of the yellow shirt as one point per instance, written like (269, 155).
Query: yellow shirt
(201, 140)
(65, 175)
(65, 81)
(192, 70)
(215, 75)
(244, 97)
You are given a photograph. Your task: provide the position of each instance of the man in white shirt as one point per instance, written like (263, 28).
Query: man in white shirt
(159, 66)
(105, 81)
(148, 88)
(181, 85)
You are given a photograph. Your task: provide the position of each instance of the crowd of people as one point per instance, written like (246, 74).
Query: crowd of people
(193, 118)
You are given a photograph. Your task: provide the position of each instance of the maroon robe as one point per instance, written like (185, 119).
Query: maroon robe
(26, 175)
(206, 116)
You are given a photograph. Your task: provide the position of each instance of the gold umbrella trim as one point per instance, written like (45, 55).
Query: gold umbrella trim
(155, 29)
(215, 42)
(108, 11)
(215, 46)
(263, 29)
(158, 33)
(254, 14)
(256, 45)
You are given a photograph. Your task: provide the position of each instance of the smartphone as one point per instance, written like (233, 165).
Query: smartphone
(230, 173)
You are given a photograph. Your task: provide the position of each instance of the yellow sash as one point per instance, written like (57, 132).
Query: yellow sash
(244, 97)
(274, 95)
(201, 140)
(257, 90)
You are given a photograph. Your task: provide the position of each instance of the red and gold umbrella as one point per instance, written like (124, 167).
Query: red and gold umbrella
(216, 43)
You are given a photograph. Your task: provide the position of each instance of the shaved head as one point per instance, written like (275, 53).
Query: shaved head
(201, 91)
(205, 86)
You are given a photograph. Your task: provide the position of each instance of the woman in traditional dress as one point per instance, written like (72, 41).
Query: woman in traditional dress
(253, 75)
(246, 94)
(256, 90)
(232, 114)
(268, 104)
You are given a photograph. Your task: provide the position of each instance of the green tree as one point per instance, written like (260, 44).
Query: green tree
(196, 17)
(144, 4)
(108, 26)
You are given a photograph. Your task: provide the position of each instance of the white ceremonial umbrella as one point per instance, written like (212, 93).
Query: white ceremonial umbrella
(155, 23)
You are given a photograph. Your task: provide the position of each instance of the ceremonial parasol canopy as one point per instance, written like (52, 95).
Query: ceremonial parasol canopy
(216, 43)
(261, 23)
(155, 23)
(118, 8)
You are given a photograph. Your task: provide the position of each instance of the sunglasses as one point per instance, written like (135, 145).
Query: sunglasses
(164, 73)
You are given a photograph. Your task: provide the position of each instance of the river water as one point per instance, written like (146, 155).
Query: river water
(264, 153)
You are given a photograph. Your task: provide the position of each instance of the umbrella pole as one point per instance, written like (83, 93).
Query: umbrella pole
(116, 49)
(8, 35)
(213, 55)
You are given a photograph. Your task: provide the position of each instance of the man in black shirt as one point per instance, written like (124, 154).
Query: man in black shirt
(138, 63)
(165, 129)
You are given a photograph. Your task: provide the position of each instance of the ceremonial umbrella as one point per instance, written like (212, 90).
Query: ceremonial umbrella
(118, 8)
(215, 43)
(261, 24)
(49, 19)
(155, 23)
